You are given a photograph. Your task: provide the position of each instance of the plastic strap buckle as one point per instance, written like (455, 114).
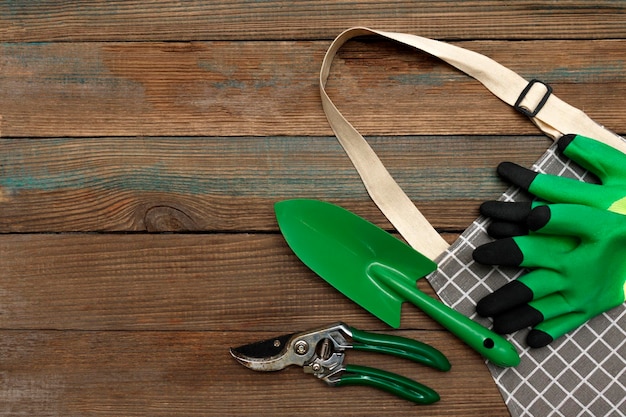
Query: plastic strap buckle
(540, 104)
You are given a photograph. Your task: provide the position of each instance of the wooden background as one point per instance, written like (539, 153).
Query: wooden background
(143, 144)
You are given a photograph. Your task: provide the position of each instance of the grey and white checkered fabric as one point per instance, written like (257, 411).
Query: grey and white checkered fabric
(581, 374)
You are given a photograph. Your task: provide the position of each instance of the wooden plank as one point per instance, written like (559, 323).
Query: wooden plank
(168, 282)
(123, 324)
(161, 373)
(195, 117)
(276, 19)
(231, 184)
(271, 88)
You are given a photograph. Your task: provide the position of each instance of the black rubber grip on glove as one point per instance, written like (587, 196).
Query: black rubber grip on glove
(564, 142)
(516, 319)
(501, 252)
(507, 219)
(514, 293)
(515, 174)
(523, 177)
(512, 212)
(508, 320)
(538, 218)
(537, 338)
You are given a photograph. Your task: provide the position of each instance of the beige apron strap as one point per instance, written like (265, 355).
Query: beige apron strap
(535, 99)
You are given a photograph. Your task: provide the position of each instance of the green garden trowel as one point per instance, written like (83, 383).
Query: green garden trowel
(376, 270)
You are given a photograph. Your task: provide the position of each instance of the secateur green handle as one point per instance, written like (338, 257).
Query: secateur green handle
(401, 347)
(389, 382)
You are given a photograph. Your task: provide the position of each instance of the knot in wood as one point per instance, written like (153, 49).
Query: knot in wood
(167, 219)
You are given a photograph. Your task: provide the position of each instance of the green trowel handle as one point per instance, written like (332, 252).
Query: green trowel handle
(399, 346)
(489, 344)
(395, 384)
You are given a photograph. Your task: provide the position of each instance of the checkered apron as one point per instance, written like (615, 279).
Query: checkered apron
(580, 374)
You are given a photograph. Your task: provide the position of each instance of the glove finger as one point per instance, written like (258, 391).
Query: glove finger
(532, 314)
(572, 220)
(527, 251)
(544, 251)
(501, 252)
(507, 297)
(554, 188)
(508, 218)
(559, 317)
(516, 319)
(553, 305)
(517, 174)
(550, 330)
(543, 282)
(500, 230)
(535, 284)
(606, 162)
(516, 212)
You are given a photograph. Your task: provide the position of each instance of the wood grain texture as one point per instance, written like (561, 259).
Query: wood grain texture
(271, 88)
(143, 144)
(277, 19)
(141, 325)
(168, 282)
(231, 184)
(164, 373)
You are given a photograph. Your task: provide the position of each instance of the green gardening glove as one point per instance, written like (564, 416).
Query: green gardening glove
(607, 163)
(577, 259)
(539, 296)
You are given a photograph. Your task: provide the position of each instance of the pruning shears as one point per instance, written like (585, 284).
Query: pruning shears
(321, 352)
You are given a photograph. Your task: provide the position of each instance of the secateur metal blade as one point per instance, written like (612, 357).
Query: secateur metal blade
(266, 355)
(299, 349)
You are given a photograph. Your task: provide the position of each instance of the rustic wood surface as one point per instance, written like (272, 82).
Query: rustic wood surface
(143, 144)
